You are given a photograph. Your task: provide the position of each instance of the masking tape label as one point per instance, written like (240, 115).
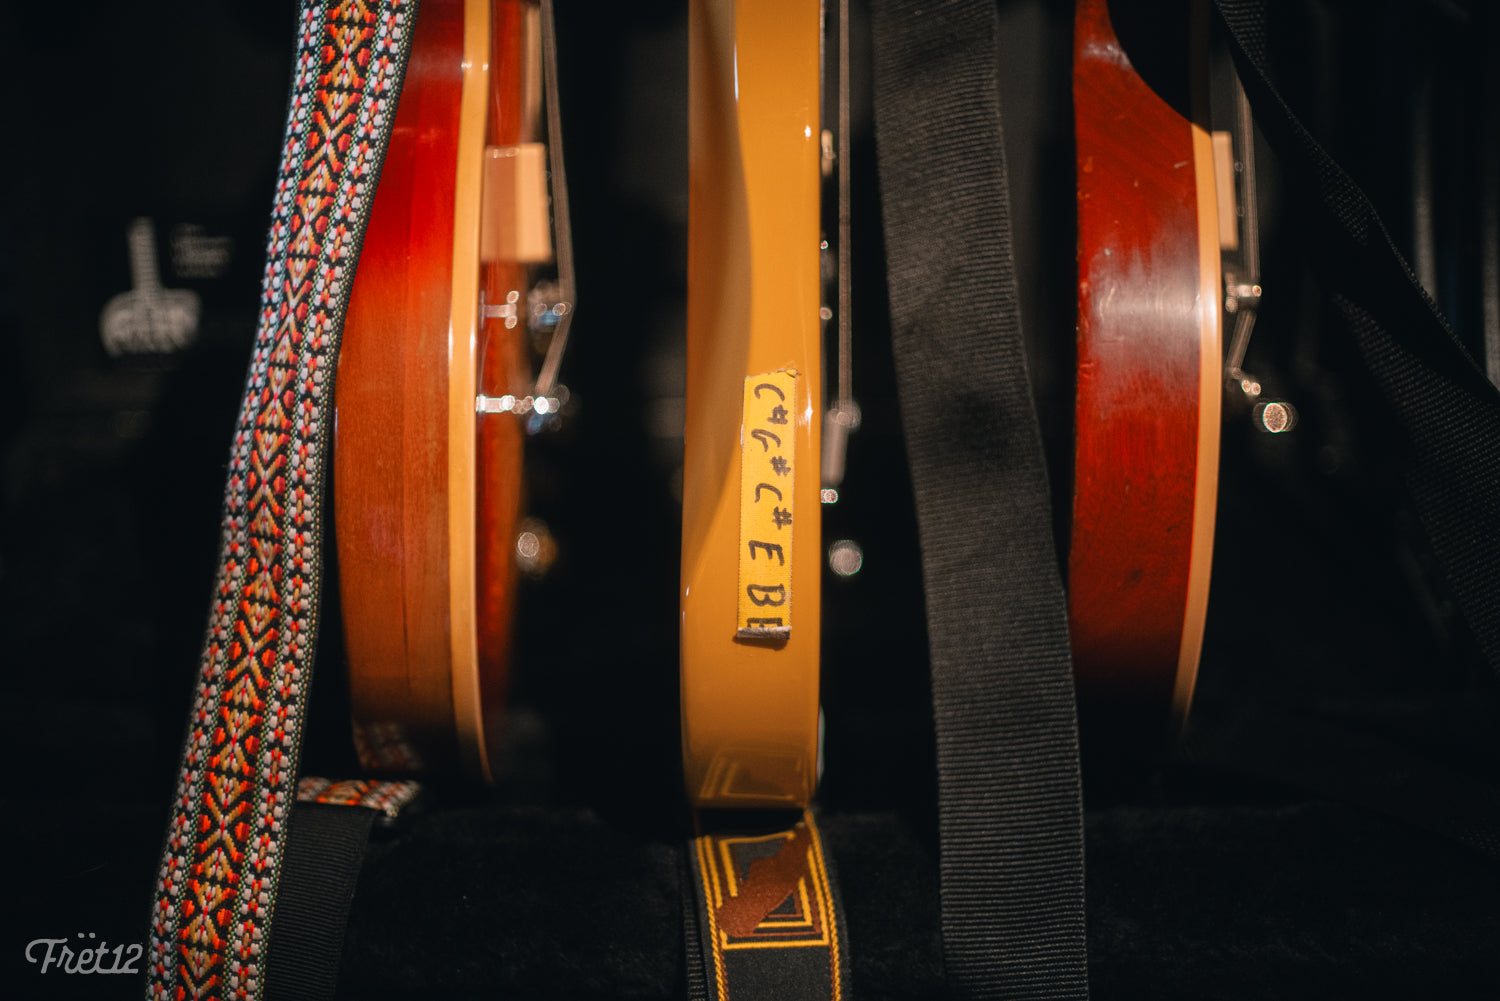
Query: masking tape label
(768, 438)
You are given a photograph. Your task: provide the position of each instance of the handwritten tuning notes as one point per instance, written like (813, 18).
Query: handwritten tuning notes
(768, 462)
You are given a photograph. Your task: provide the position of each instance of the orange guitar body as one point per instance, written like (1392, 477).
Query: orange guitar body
(426, 492)
(750, 705)
(1149, 392)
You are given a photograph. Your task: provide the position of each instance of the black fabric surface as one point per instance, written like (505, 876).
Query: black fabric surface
(1010, 806)
(325, 849)
(564, 882)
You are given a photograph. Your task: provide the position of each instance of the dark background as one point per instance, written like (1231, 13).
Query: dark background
(1204, 880)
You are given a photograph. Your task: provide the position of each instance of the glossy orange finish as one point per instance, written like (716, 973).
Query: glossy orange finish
(750, 709)
(425, 493)
(1147, 418)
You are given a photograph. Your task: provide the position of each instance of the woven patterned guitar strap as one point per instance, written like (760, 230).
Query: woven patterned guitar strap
(225, 850)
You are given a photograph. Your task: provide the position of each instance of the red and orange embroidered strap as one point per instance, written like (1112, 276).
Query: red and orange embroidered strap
(386, 798)
(216, 889)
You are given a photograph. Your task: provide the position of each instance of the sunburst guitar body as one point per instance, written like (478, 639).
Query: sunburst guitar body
(751, 534)
(1149, 392)
(426, 490)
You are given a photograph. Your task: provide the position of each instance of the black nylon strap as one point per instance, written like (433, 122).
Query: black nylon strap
(1438, 395)
(325, 848)
(1010, 814)
(697, 969)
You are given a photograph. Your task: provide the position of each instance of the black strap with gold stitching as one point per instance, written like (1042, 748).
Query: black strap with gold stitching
(764, 920)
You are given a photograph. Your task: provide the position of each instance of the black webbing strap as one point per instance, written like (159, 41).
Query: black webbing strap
(325, 847)
(1438, 395)
(1010, 814)
(324, 850)
(763, 919)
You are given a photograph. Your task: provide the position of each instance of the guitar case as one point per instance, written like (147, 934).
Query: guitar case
(1328, 825)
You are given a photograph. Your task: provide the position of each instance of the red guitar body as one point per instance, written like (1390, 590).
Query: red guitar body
(1148, 394)
(426, 498)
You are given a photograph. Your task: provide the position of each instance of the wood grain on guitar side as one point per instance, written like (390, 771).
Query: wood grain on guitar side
(425, 501)
(1147, 420)
(390, 464)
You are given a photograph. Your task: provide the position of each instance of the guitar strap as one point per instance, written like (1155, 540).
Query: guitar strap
(226, 849)
(763, 918)
(1437, 394)
(325, 848)
(1010, 811)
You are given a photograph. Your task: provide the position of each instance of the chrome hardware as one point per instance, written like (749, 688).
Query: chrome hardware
(838, 422)
(545, 406)
(1275, 417)
(1242, 289)
(844, 416)
(545, 402)
(846, 557)
(536, 550)
(546, 381)
(1241, 300)
(542, 410)
(546, 306)
(1239, 294)
(507, 312)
